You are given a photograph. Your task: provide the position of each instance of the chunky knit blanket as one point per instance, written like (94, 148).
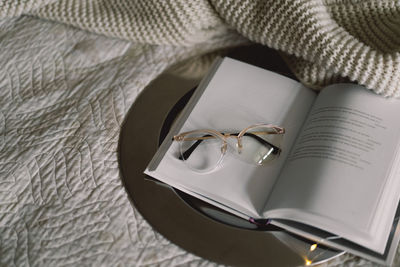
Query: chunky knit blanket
(70, 70)
(325, 41)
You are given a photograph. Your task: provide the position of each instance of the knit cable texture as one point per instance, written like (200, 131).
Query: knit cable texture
(324, 41)
(327, 40)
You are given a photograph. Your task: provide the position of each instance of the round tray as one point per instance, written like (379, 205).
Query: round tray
(190, 223)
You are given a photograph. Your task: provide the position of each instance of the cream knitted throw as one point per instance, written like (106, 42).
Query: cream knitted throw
(325, 41)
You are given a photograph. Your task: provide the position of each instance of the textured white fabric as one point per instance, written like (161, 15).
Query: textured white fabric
(63, 96)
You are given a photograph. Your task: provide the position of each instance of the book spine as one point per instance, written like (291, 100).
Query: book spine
(260, 222)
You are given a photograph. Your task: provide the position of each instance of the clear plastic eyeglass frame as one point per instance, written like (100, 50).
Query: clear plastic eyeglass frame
(253, 132)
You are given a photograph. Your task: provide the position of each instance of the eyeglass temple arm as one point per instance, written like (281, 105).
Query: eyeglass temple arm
(189, 151)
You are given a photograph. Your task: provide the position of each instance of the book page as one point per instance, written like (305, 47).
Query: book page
(340, 173)
(237, 96)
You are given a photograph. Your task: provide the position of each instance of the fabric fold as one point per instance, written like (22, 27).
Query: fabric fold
(327, 40)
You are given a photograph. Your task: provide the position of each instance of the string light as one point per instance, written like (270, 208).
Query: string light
(313, 247)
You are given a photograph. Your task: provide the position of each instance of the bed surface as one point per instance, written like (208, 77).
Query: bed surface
(64, 94)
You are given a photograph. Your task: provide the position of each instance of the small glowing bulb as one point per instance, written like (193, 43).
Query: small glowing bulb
(308, 262)
(313, 247)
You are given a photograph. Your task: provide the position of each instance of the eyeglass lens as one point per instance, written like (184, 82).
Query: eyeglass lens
(201, 151)
(260, 145)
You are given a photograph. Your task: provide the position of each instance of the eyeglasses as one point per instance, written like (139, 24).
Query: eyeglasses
(203, 150)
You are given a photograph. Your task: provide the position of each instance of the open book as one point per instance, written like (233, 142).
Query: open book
(338, 171)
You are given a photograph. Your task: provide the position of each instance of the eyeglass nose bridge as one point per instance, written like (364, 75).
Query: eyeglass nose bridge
(238, 139)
